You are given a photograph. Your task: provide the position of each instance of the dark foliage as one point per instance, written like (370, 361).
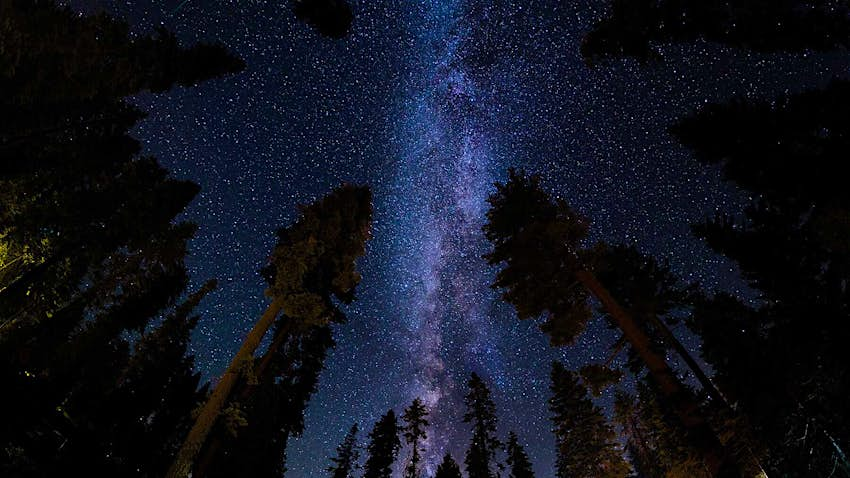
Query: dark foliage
(331, 18)
(481, 413)
(384, 445)
(347, 456)
(586, 444)
(519, 465)
(635, 28)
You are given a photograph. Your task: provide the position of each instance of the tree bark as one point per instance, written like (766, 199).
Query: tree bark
(685, 407)
(214, 446)
(185, 458)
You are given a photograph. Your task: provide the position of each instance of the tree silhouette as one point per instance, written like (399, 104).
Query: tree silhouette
(547, 273)
(415, 418)
(91, 259)
(312, 263)
(331, 18)
(517, 461)
(481, 413)
(655, 442)
(448, 468)
(347, 455)
(585, 442)
(780, 361)
(384, 445)
(635, 27)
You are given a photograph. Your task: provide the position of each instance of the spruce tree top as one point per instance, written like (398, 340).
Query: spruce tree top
(539, 242)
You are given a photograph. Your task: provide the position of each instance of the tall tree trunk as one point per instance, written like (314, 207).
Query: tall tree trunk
(261, 372)
(185, 458)
(686, 409)
(749, 461)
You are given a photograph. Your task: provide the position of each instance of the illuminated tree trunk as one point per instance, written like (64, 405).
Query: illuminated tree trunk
(685, 407)
(261, 372)
(182, 465)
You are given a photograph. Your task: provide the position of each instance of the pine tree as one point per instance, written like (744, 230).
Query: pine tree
(448, 468)
(586, 444)
(634, 27)
(656, 444)
(549, 273)
(347, 455)
(481, 413)
(96, 255)
(383, 447)
(781, 361)
(517, 461)
(415, 418)
(312, 264)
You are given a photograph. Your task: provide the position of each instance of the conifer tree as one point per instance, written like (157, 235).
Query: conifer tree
(481, 414)
(781, 362)
(548, 272)
(415, 418)
(384, 445)
(517, 460)
(448, 468)
(312, 264)
(347, 456)
(586, 444)
(655, 442)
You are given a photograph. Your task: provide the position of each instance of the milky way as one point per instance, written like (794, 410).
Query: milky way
(429, 102)
(448, 161)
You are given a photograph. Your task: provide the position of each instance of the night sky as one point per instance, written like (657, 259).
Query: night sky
(429, 102)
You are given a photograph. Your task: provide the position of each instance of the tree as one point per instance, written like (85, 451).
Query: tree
(634, 28)
(331, 18)
(312, 263)
(548, 273)
(779, 360)
(655, 442)
(517, 461)
(92, 256)
(383, 447)
(346, 457)
(586, 444)
(481, 413)
(448, 468)
(415, 418)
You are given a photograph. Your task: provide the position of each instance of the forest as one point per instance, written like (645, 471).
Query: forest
(98, 305)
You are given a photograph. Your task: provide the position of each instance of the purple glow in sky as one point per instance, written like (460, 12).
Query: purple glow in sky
(448, 160)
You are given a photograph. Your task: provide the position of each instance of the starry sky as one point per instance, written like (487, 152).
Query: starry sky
(429, 102)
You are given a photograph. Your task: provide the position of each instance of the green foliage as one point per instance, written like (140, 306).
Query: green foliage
(383, 447)
(599, 377)
(586, 444)
(539, 242)
(314, 260)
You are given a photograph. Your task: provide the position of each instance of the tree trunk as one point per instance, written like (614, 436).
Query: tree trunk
(749, 461)
(214, 446)
(685, 407)
(185, 458)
